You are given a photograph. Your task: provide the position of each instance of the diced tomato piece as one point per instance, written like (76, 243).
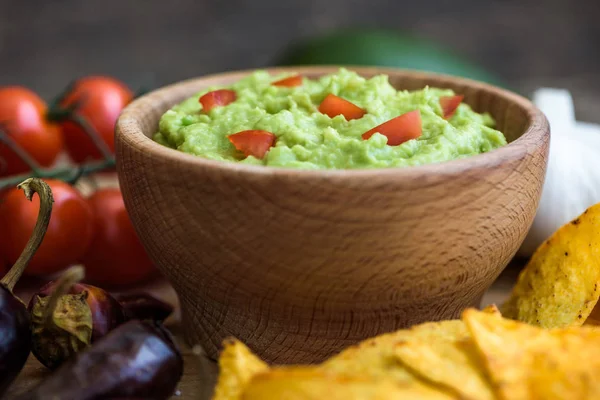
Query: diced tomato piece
(333, 106)
(450, 104)
(253, 142)
(217, 98)
(292, 81)
(400, 129)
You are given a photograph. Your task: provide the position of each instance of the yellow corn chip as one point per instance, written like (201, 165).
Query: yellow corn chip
(390, 356)
(445, 354)
(528, 362)
(560, 285)
(310, 383)
(492, 309)
(237, 366)
(374, 357)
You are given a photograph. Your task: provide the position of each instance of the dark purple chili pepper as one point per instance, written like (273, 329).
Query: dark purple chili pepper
(106, 311)
(144, 307)
(68, 316)
(136, 360)
(15, 330)
(15, 337)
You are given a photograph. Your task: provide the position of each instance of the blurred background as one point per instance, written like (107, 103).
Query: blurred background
(522, 43)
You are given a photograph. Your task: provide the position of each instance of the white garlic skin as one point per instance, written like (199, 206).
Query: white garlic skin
(573, 177)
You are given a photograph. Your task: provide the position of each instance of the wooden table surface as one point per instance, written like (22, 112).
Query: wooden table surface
(200, 372)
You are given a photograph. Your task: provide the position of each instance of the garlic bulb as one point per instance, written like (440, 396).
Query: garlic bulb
(573, 177)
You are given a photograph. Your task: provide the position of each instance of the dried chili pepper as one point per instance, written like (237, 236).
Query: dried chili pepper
(144, 306)
(136, 360)
(15, 331)
(68, 317)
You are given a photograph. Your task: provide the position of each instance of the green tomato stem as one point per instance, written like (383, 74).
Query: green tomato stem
(55, 102)
(31, 186)
(19, 151)
(67, 174)
(91, 132)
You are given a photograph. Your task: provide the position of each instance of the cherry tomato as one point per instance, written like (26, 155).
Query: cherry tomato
(22, 117)
(116, 256)
(69, 232)
(217, 98)
(400, 129)
(450, 104)
(253, 143)
(333, 106)
(292, 81)
(101, 100)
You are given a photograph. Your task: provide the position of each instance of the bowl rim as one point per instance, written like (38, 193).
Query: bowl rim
(130, 131)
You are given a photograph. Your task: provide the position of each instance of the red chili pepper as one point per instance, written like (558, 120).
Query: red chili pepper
(253, 142)
(400, 129)
(333, 106)
(217, 98)
(450, 104)
(291, 81)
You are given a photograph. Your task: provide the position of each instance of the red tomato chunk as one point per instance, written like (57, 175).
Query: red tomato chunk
(333, 106)
(253, 142)
(400, 129)
(217, 98)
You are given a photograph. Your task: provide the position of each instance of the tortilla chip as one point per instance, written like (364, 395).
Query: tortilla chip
(380, 357)
(374, 358)
(369, 370)
(527, 362)
(237, 366)
(560, 285)
(492, 309)
(445, 354)
(311, 383)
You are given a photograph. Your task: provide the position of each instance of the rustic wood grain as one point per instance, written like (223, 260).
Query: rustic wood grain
(299, 264)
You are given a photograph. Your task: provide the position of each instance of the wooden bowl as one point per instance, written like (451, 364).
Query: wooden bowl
(299, 264)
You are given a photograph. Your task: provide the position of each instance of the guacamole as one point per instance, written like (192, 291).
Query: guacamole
(305, 137)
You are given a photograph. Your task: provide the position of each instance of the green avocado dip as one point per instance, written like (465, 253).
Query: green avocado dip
(339, 121)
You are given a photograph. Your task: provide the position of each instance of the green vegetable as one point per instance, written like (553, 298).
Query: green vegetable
(382, 48)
